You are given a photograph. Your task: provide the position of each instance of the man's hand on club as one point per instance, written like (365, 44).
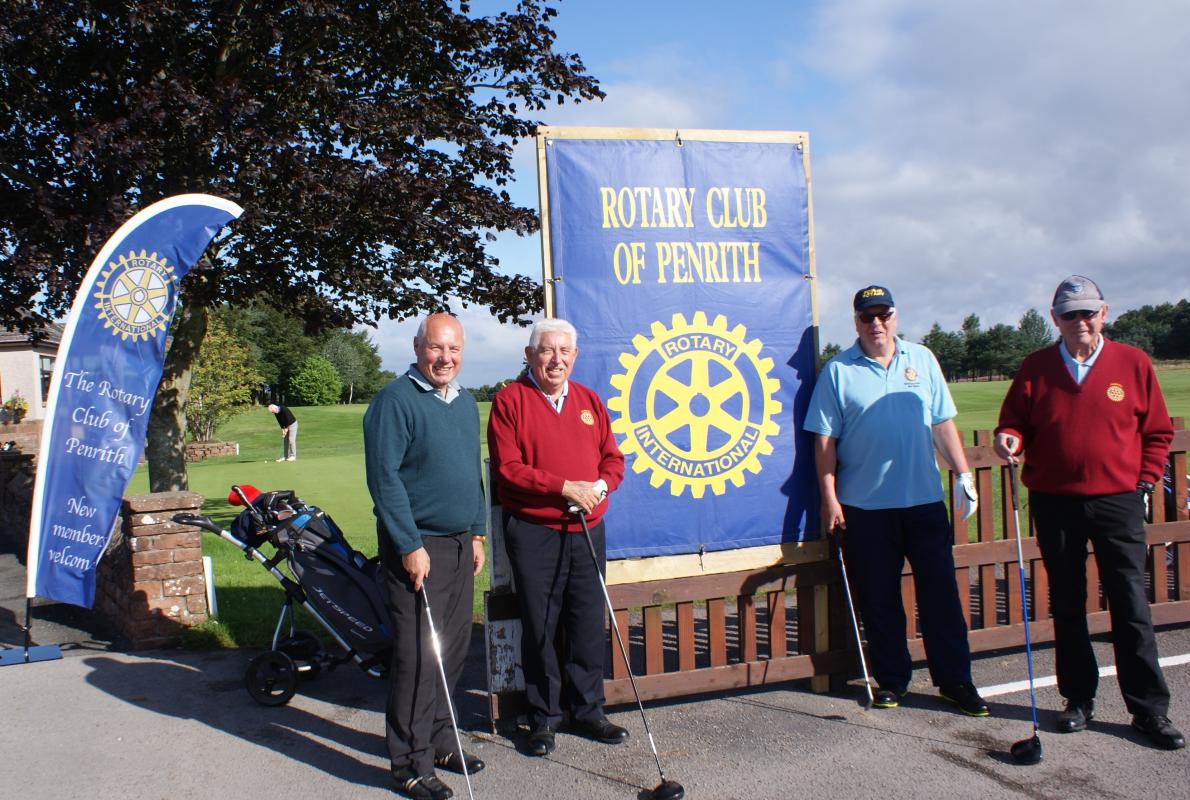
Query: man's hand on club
(832, 515)
(417, 564)
(584, 494)
(1007, 446)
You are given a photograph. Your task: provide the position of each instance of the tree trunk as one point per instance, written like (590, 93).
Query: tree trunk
(166, 445)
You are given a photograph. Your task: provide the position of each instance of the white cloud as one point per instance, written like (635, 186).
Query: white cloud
(986, 151)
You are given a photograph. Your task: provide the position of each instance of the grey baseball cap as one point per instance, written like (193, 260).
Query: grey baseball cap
(1077, 293)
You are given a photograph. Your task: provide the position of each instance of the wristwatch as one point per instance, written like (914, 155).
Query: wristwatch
(1144, 486)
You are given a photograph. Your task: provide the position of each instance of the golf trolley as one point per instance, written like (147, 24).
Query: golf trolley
(335, 584)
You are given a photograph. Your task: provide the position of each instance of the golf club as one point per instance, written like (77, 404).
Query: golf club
(667, 789)
(446, 688)
(1026, 751)
(859, 642)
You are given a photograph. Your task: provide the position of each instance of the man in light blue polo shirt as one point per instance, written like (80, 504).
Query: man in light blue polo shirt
(878, 411)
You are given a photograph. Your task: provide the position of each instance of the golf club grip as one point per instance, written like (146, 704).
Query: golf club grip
(1012, 485)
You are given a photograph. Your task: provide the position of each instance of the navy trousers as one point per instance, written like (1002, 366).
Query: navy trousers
(876, 544)
(556, 582)
(1114, 524)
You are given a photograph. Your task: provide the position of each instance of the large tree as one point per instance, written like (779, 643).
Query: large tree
(368, 142)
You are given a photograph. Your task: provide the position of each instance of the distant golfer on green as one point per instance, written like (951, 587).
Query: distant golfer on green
(289, 427)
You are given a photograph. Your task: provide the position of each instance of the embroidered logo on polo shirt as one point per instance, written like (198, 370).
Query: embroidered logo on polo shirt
(1115, 392)
(587, 417)
(910, 374)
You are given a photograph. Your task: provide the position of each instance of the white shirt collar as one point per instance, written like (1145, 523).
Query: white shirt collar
(452, 388)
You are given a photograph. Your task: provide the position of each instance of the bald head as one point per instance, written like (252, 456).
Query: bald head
(438, 346)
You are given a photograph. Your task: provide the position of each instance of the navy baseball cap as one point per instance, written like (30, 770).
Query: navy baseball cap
(872, 296)
(1077, 293)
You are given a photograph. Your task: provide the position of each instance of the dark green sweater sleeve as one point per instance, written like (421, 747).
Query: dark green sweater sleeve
(480, 526)
(386, 438)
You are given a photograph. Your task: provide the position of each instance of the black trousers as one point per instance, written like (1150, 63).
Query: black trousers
(1114, 524)
(876, 545)
(417, 717)
(556, 581)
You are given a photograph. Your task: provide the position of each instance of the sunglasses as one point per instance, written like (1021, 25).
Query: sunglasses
(1071, 316)
(867, 317)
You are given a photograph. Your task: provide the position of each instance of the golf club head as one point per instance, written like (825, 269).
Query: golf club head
(667, 790)
(1027, 751)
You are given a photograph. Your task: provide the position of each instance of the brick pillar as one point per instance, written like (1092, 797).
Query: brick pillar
(150, 581)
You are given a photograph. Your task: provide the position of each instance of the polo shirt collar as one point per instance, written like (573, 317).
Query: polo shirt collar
(856, 352)
(561, 398)
(452, 388)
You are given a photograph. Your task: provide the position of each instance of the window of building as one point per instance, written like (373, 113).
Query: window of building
(47, 372)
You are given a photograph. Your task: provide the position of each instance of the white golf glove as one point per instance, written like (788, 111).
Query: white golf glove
(966, 500)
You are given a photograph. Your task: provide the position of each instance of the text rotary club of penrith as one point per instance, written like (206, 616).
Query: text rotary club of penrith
(673, 207)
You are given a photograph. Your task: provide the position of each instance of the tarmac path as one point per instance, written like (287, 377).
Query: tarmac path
(171, 724)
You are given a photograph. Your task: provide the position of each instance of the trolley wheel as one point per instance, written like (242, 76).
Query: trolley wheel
(306, 651)
(271, 678)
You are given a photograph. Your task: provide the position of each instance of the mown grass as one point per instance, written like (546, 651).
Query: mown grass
(329, 473)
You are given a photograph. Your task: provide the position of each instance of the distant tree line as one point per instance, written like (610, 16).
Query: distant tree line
(1162, 331)
(298, 368)
(971, 352)
(486, 393)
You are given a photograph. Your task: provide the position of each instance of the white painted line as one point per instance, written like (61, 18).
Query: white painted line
(1052, 680)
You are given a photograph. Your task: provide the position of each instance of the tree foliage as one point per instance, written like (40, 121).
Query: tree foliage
(1162, 331)
(357, 360)
(949, 348)
(368, 143)
(1034, 332)
(829, 351)
(224, 379)
(316, 383)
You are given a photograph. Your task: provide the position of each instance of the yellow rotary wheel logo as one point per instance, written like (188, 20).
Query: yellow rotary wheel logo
(695, 404)
(135, 295)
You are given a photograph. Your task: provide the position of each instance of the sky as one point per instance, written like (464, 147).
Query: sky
(967, 155)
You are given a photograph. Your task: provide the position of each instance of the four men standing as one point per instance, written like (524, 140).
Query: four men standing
(1088, 411)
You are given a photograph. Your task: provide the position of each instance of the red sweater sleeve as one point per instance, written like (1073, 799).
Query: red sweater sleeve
(1156, 430)
(611, 460)
(1017, 406)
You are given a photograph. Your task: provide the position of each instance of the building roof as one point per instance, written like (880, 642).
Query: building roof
(50, 334)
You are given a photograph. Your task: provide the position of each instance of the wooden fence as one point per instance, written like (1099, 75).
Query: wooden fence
(757, 627)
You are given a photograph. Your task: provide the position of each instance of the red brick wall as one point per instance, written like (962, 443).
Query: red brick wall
(150, 581)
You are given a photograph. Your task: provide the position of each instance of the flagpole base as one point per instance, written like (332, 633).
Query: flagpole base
(29, 655)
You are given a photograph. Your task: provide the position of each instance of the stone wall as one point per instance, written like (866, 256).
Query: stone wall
(197, 451)
(150, 582)
(25, 436)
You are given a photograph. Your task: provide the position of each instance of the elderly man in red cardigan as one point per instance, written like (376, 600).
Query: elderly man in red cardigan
(1089, 414)
(552, 448)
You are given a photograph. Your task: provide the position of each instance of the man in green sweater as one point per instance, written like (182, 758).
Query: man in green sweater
(421, 451)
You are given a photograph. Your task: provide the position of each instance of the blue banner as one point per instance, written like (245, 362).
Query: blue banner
(685, 266)
(108, 367)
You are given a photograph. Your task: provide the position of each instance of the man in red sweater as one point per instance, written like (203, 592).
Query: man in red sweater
(1090, 415)
(552, 448)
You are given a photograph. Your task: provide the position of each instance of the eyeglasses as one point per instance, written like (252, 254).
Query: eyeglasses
(1071, 316)
(867, 317)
